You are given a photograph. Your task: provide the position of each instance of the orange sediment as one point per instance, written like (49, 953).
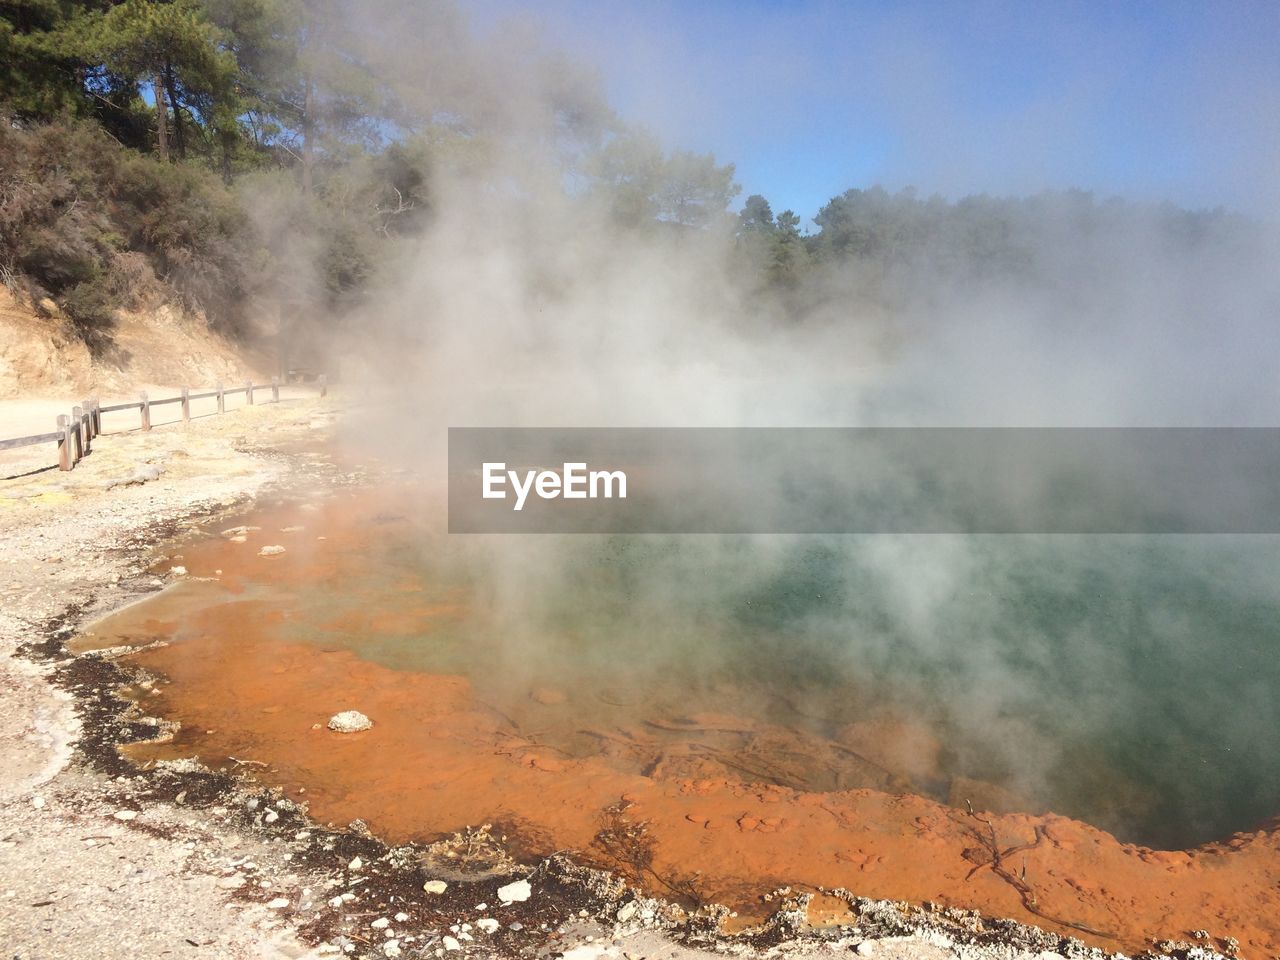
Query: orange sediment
(438, 759)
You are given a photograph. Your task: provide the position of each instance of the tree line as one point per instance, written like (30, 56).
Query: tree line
(140, 137)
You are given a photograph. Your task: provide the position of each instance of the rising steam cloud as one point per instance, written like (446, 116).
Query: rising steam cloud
(1057, 667)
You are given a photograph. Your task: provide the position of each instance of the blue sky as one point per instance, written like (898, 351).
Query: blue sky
(1150, 100)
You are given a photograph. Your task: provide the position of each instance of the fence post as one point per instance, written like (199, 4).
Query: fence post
(87, 406)
(64, 445)
(324, 385)
(275, 389)
(146, 410)
(222, 400)
(186, 405)
(77, 420)
(248, 392)
(97, 416)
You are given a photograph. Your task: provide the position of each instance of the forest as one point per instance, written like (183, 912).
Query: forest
(196, 150)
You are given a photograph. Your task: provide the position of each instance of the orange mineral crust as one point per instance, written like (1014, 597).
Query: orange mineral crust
(695, 824)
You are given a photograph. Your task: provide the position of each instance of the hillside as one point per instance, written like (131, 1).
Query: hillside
(42, 358)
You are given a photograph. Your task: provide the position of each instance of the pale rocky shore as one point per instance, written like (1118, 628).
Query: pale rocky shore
(100, 860)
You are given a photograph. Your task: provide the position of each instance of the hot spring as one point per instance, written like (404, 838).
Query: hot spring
(1127, 682)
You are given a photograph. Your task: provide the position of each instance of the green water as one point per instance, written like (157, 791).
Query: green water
(1128, 681)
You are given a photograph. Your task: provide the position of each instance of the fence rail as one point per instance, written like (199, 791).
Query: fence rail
(76, 433)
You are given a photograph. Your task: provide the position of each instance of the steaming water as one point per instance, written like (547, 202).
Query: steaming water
(1126, 681)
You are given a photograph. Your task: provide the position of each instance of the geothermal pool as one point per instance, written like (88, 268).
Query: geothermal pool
(717, 716)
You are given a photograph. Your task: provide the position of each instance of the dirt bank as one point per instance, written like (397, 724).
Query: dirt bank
(41, 357)
(100, 859)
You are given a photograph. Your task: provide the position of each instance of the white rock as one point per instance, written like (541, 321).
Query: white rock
(450, 943)
(279, 903)
(435, 886)
(125, 814)
(271, 816)
(381, 923)
(178, 571)
(271, 550)
(515, 892)
(335, 902)
(865, 949)
(401, 917)
(391, 948)
(37, 802)
(349, 721)
(487, 924)
(356, 862)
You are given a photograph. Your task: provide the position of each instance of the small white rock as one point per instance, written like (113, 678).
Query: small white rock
(37, 802)
(125, 814)
(865, 949)
(401, 917)
(271, 816)
(279, 903)
(355, 864)
(335, 902)
(450, 943)
(391, 948)
(271, 550)
(381, 923)
(435, 886)
(516, 892)
(349, 721)
(178, 571)
(487, 924)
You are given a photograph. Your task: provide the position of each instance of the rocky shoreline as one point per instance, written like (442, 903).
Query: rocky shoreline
(101, 858)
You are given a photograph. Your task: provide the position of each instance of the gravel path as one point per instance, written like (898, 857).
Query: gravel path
(75, 881)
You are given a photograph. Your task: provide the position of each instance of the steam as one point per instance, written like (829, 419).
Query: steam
(1060, 668)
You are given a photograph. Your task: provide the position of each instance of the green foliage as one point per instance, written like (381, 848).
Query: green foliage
(97, 227)
(322, 102)
(641, 184)
(39, 69)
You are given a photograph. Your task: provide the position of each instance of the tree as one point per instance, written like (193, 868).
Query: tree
(179, 52)
(642, 184)
(756, 214)
(694, 189)
(40, 73)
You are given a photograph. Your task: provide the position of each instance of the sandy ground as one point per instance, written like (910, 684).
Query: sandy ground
(106, 863)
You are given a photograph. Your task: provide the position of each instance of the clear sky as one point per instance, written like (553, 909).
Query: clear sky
(1151, 99)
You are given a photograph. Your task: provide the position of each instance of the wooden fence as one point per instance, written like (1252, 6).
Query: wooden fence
(76, 433)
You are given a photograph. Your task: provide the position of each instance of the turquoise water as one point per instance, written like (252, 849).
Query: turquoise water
(1127, 681)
